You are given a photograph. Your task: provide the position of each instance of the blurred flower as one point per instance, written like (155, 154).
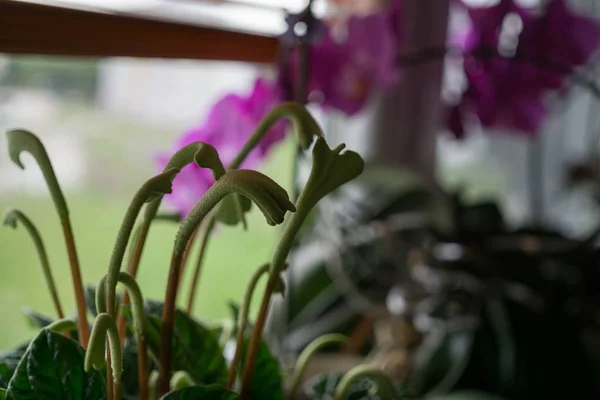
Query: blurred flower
(514, 58)
(352, 60)
(230, 123)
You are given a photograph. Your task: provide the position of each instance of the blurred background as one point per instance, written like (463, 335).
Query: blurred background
(104, 120)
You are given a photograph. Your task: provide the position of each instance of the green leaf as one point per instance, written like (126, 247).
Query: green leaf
(2, 394)
(196, 350)
(268, 381)
(465, 395)
(52, 368)
(9, 362)
(208, 392)
(323, 387)
(35, 319)
(232, 209)
(445, 363)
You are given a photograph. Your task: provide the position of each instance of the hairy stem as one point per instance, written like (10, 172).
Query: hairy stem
(309, 352)
(279, 258)
(104, 326)
(243, 323)
(18, 142)
(180, 380)
(62, 325)
(384, 388)
(11, 219)
(304, 125)
(205, 233)
(154, 187)
(139, 321)
(271, 199)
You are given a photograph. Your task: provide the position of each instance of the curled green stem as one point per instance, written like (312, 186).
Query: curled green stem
(304, 124)
(202, 155)
(180, 380)
(383, 387)
(153, 385)
(153, 188)
(139, 321)
(329, 171)
(11, 218)
(309, 352)
(62, 325)
(24, 141)
(104, 326)
(270, 198)
(242, 323)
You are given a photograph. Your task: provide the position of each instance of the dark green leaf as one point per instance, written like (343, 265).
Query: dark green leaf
(52, 368)
(196, 350)
(37, 320)
(2, 394)
(445, 362)
(208, 392)
(9, 362)
(268, 382)
(465, 395)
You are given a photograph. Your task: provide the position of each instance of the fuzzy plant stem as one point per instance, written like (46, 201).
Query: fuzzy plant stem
(104, 326)
(139, 320)
(305, 128)
(330, 170)
(205, 232)
(279, 259)
(384, 388)
(196, 152)
(243, 323)
(180, 380)
(304, 125)
(270, 198)
(139, 240)
(11, 219)
(18, 142)
(154, 187)
(309, 352)
(62, 325)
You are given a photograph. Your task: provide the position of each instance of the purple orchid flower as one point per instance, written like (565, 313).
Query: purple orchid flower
(230, 123)
(514, 58)
(348, 64)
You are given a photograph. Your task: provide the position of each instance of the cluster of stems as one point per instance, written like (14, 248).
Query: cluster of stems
(233, 191)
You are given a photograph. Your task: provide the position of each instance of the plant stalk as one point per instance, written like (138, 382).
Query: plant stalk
(243, 323)
(205, 233)
(277, 264)
(82, 324)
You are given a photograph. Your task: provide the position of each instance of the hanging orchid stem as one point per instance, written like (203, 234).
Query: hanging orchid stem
(104, 326)
(139, 239)
(384, 388)
(309, 352)
(242, 323)
(11, 219)
(329, 171)
(271, 199)
(18, 142)
(204, 236)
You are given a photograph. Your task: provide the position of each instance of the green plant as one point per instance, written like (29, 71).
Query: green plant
(187, 354)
